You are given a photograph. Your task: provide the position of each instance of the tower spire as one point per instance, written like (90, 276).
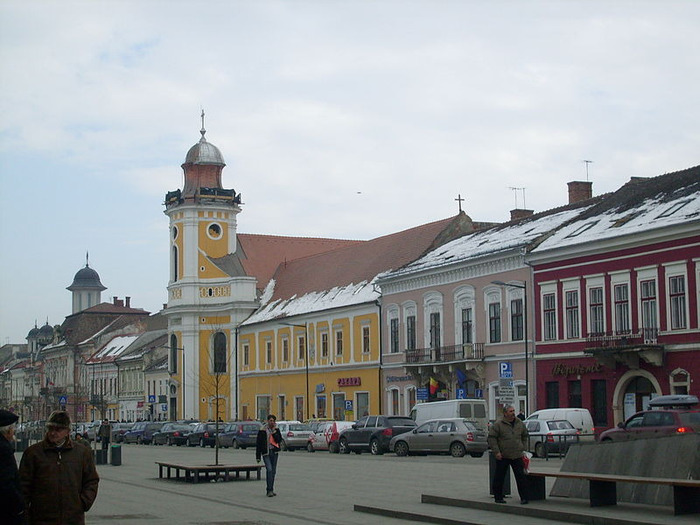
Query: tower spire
(203, 130)
(87, 258)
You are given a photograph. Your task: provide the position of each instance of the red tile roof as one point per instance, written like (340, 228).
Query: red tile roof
(363, 261)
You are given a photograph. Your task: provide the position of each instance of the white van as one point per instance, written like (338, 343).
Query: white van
(473, 410)
(579, 417)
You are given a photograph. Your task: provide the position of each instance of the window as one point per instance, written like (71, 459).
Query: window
(395, 408)
(552, 394)
(648, 298)
(268, 356)
(339, 342)
(435, 330)
(365, 340)
(597, 320)
(246, 354)
(676, 288)
(549, 316)
(516, 320)
(600, 402)
(324, 346)
(362, 399)
(572, 328)
(173, 354)
(285, 350)
(321, 407)
(495, 322)
(219, 353)
(467, 320)
(394, 335)
(411, 332)
(301, 347)
(622, 309)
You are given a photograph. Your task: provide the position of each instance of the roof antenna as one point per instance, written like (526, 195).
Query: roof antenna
(587, 162)
(202, 131)
(515, 193)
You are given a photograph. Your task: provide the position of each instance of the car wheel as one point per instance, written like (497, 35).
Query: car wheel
(139, 440)
(401, 448)
(170, 442)
(539, 450)
(310, 447)
(333, 447)
(606, 440)
(476, 454)
(235, 444)
(201, 442)
(374, 448)
(457, 450)
(343, 446)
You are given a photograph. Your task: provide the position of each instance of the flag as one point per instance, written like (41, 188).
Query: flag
(461, 377)
(433, 386)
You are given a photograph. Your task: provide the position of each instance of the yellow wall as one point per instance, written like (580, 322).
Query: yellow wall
(211, 384)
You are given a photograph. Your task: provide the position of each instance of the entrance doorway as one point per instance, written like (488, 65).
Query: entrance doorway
(637, 395)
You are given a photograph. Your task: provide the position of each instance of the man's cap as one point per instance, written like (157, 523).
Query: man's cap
(59, 419)
(7, 418)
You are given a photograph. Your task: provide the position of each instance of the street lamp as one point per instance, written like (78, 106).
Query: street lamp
(305, 326)
(523, 287)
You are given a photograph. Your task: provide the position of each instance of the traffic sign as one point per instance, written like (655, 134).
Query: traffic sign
(422, 393)
(348, 405)
(505, 369)
(63, 400)
(461, 393)
(151, 398)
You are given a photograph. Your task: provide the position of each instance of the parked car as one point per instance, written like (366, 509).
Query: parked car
(455, 436)
(91, 430)
(373, 433)
(142, 432)
(240, 434)
(172, 434)
(473, 410)
(580, 418)
(204, 434)
(326, 436)
(294, 434)
(118, 431)
(668, 415)
(548, 437)
(79, 428)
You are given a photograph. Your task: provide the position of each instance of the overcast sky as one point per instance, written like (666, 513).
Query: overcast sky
(347, 119)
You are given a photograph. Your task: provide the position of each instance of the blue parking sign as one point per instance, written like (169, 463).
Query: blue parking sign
(348, 405)
(422, 393)
(461, 393)
(505, 369)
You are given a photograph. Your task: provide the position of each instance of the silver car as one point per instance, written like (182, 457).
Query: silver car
(294, 434)
(547, 437)
(453, 436)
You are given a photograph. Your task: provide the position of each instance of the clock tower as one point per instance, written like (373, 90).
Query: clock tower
(208, 292)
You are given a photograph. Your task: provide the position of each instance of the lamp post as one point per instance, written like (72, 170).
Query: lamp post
(522, 287)
(305, 326)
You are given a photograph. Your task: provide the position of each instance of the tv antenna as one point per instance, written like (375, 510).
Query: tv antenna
(515, 194)
(587, 162)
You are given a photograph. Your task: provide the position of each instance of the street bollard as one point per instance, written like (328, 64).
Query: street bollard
(116, 453)
(100, 457)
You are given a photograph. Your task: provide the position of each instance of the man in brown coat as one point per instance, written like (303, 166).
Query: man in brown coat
(508, 440)
(58, 478)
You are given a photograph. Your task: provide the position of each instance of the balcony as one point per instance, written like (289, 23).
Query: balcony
(446, 354)
(626, 347)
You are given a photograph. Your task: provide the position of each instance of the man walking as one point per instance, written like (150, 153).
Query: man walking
(11, 501)
(508, 440)
(58, 478)
(267, 446)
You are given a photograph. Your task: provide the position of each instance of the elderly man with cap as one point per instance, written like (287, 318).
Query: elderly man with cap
(58, 478)
(11, 501)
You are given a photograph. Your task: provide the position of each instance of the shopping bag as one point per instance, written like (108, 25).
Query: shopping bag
(526, 461)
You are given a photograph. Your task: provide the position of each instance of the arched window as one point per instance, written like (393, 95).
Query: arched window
(175, 268)
(219, 353)
(173, 354)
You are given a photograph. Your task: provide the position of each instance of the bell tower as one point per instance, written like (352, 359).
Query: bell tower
(207, 295)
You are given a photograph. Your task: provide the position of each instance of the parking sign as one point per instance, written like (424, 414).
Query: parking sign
(505, 369)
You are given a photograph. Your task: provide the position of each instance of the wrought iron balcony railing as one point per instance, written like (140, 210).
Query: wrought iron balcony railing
(646, 336)
(446, 354)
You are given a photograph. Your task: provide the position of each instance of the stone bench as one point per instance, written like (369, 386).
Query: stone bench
(603, 488)
(192, 472)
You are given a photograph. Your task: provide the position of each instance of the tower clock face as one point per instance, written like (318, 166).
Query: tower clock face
(214, 230)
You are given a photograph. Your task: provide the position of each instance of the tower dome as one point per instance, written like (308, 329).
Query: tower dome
(86, 278)
(34, 332)
(204, 152)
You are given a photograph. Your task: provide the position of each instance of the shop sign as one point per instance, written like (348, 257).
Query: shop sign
(349, 381)
(560, 369)
(397, 379)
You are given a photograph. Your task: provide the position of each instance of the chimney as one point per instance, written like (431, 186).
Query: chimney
(517, 214)
(115, 300)
(128, 302)
(580, 191)
(118, 302)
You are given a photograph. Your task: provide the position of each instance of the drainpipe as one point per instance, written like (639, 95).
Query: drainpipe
(381, 346)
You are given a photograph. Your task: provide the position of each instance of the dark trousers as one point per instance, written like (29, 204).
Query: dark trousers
(105, 443)
(270, 470)
(500, 473)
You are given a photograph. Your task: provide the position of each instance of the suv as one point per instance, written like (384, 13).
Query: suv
(672, 415)
(373, 433)
(142, 432)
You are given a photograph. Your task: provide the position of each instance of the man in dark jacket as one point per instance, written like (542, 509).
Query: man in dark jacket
(508, 440)
(105, 433)
(58, 478)
(11, 501)
(267, 446)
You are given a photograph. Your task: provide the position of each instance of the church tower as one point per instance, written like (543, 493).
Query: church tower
(86, 287)
(208, 292)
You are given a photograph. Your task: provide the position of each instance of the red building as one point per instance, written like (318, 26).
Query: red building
(616, 299)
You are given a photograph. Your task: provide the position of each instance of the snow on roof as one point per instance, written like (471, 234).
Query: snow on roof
(113, 348)
(351, 294)
(651, 214)
(487, 242)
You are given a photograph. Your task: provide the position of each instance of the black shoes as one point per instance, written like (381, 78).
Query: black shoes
(524, 502)
(500, 500)
(271, 494)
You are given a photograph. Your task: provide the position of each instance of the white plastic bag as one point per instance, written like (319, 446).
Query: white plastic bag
(526, 461)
